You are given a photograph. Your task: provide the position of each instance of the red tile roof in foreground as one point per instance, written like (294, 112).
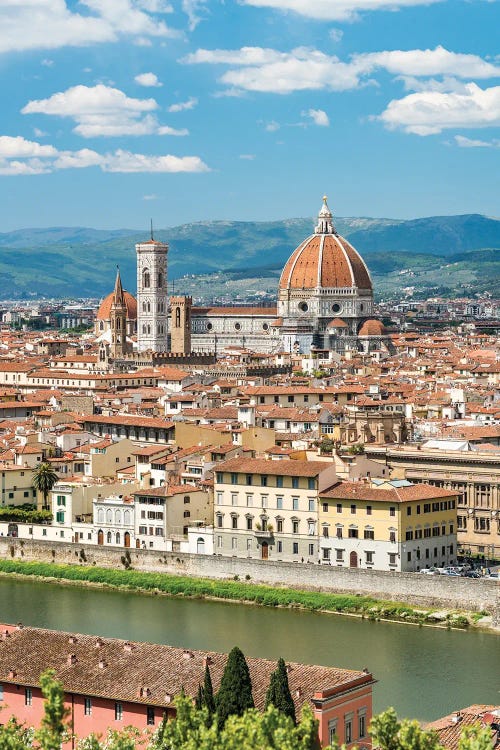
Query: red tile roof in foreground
(147, 673)
(449, 728)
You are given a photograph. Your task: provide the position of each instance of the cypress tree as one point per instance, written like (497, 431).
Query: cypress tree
(278, 693)
(199, 698)
(208, 692)
(235, 692)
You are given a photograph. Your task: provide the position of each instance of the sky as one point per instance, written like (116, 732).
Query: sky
(117, 111)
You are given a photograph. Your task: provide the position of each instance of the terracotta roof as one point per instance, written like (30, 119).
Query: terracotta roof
(147, 673)
(325, 261)
(266, 466)
(269, 312)
(337, 323)
(372, 328)
(123, 419)
(105, 309)
(363, 491)
(449, 728)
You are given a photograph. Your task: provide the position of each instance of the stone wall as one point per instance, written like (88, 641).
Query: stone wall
(413, 588)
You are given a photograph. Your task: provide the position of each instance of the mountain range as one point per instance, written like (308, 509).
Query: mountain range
(448, 254)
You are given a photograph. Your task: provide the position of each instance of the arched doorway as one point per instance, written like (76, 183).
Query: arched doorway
(265, 550)
(100, 537)
(353, 560)
(200, 546)
(126, 539)
(137, 544)
(13, 530)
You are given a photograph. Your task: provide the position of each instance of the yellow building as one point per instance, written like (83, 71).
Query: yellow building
(387, 525)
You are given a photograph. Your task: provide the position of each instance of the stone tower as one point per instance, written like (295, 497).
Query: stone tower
(180, 325)
(152, 315)
(118, 320)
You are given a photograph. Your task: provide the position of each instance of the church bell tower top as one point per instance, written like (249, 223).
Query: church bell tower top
(325, 219)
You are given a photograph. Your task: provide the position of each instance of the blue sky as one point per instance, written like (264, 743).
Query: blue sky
(186, 110)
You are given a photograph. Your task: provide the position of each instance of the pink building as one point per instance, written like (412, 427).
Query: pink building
(110, 683)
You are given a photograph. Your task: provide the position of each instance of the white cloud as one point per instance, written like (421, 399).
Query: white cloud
(150, 197)
(318, 116)
(166, 130)
(268, 70)
(181, 106)
(148, 79)
(47, 63)
(464, 142)
(336, 35)
(19, 156)
(195, 11)
(272, 126)
(430, 112)
(39, 133)
(247, 157)
(102, 111)
(335, 10)
(51, 24)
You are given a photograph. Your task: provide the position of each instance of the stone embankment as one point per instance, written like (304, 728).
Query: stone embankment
(412, 588)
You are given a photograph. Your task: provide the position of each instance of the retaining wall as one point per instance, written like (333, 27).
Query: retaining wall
(414, 588)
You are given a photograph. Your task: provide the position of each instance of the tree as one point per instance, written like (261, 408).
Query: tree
(208, 693)
(235, 692)
(278, 693)
(44, 478)
(198, 701)
(390, 734)
(53, 728)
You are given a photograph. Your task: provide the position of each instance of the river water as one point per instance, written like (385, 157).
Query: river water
(422, 672)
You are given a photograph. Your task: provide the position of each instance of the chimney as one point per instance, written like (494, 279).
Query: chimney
(288, 668)
(71, 659)
(99, 643)
(168, 698)
(298, 693)
(144, 692)
(128, 646)
(12, 674)
(207, 661)
(187, 654)
(102, 664)
(73, 639)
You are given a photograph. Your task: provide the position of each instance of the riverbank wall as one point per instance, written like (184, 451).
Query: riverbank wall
(474, 595)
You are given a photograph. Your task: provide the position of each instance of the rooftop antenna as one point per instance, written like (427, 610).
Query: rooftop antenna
(151, 220)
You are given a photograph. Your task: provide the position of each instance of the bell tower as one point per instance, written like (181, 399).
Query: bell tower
(152, 308)
(180, 325)
(118, 320)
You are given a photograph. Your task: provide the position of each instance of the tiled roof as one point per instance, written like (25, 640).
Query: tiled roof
(449, 728)
(160, 671)
(105, 308)
(363, 491)
(266, 466)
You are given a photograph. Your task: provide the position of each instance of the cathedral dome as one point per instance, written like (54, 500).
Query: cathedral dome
(325, 260)
(372, 328)
(105, 307)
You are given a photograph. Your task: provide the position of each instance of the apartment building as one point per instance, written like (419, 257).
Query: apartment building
(388, 525)
(473, 474)
(16, 485)
(269, 509)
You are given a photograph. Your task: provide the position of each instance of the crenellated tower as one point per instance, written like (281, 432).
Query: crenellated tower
(152, 300)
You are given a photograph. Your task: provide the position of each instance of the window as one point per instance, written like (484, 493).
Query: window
(279, 502)
(279, 481)
(220, 477)
(263, 480)
(427, 507)
(118, 712)
(339, 507)
(234, 543)
(409, 536)
(326, 553)
(219, 498)
(339, 532)
(249, 543)
(348, 731)
(187, 500)
(311, 528)
(279, 525)
(60, 516)
(187, 514)
(361, 726)
(353, 509)
(279, 547)
(326, 533)
(369, 534)
(234, 522)
(339, 555)
(295, 483)
(369, 561)
(249, 523)
(28, 697)
(150, 716)
(295, 503)
(311, 483)
(295, 548)
(249, 501)
(332, 732)
(368, 510)
(234, 478)
(409, 557)
(482, 525)
(392, 511)
(219, 521)
(219, 540)
(352, 534)
(295, 527)
(87, 706)
(312, 505)
(408, 511)
(392, 536)
(234, 498)
(311, 550)
(392, 558)
(325, 507)
(1, 692)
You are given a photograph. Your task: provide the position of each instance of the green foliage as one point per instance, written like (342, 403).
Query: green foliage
(44, 478)
(278, 693)
(21, 515)
(390, 734)
(235, 692)
(53, 729)
(475, 738)
(243, 591)
(15, 736)
(208, 693)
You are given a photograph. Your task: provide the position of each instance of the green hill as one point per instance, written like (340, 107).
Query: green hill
(76, 261)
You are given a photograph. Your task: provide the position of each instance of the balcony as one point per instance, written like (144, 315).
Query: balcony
(267, 533)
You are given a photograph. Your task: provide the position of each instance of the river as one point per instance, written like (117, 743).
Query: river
(422, 672)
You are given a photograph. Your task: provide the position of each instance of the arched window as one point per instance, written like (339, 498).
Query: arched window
(146, 279)
(109, 516)
(149, 306)
(118, 538)
(149, 329)
(118, 323)
(177, 317)
(118, 518)
(101, 326)
(108, 537)
(144, 329)
(100, 516)
(160, 279)
(126, 518)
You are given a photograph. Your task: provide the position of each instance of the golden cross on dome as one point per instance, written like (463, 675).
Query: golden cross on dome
(325, 198)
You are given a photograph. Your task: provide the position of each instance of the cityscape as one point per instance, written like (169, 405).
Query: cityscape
(250, 460)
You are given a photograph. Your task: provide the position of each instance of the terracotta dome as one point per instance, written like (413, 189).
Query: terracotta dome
(337, 323)
(325, 260)
(105, 307)
(372, 328)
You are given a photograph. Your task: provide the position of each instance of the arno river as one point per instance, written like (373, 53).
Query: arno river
(422, 672)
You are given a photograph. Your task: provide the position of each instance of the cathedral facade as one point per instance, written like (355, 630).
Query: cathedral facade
(325, 303)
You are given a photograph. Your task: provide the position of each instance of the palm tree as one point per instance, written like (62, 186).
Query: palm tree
(44, 478)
